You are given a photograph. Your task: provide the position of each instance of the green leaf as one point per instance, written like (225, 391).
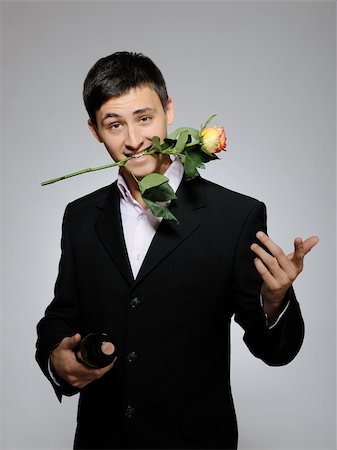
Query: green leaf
(161, 193)
(198, 154)
(155, 143)
(181, 142)
(155, 140)
(182, 157)
(190, 167)
(150, 181)
(160, 211)
(192, 131)
(194, 159)
(208, 121)
(168, 143)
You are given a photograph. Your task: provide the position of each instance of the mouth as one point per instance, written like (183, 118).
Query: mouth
(135, 155)
(138, 155)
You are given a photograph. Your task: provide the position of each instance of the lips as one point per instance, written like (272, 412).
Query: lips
(135, 155)
(138, 155)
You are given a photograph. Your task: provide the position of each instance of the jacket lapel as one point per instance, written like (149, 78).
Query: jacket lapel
(109, 229)
(169, 234)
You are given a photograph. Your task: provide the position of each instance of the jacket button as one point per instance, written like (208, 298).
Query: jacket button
(132, 356)
(135, 302)
(130, 410)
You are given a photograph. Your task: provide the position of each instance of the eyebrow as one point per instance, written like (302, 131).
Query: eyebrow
(135, 113)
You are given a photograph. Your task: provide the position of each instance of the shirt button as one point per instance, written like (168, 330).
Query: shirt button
(135, 302)
(130, 410)
(138, 257)
(132, 356)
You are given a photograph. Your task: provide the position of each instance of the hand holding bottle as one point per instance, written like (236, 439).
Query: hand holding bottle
(65, 362)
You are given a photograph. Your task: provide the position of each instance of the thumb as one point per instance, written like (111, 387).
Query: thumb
(299, 252)
(68, 343)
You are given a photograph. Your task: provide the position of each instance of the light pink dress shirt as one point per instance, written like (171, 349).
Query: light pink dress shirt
(140, 225)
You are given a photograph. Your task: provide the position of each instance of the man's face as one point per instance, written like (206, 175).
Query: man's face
(126, 125)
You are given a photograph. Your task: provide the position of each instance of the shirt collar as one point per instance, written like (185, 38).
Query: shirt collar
(174, 173)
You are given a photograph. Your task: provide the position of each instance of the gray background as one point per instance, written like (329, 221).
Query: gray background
(268, 70)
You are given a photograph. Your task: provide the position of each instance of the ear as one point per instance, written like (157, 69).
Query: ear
(170, 111)
(94, 131)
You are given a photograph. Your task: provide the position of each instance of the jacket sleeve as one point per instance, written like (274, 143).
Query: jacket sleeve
(61, 317)
(277, 345)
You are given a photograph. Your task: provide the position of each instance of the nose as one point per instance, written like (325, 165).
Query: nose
(134, 140)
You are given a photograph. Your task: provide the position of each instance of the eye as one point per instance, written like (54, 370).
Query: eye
(114, 125)
(145, 119)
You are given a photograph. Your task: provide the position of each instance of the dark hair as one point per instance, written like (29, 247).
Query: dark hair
(116, 74)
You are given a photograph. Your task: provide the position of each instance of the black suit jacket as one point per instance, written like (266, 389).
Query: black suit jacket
(174, 317)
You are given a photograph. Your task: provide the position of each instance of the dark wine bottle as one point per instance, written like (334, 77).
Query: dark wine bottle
(97, 350)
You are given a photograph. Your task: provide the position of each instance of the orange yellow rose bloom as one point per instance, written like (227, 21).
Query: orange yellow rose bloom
(213, 139)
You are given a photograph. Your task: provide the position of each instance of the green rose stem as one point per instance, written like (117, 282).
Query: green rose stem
(154, 187)
(116, 164)
(186, 143)
(93, 169)
(161, 189)
(74, 174)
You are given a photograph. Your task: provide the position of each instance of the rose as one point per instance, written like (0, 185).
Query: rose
(213, 139)
(193, 147)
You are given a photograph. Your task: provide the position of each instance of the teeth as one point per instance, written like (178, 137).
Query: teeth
(138, 155)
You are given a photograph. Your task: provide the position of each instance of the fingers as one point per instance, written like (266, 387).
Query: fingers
(77, 374)
(274, 277)
(84, 375)
(275, 270)
(265, 274)
(277, 262)
(278, 270)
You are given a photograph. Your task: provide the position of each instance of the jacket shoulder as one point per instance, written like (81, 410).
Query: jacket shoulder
(92, 199)
(216, 193)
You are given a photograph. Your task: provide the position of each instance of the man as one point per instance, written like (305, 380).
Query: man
(166, 292)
